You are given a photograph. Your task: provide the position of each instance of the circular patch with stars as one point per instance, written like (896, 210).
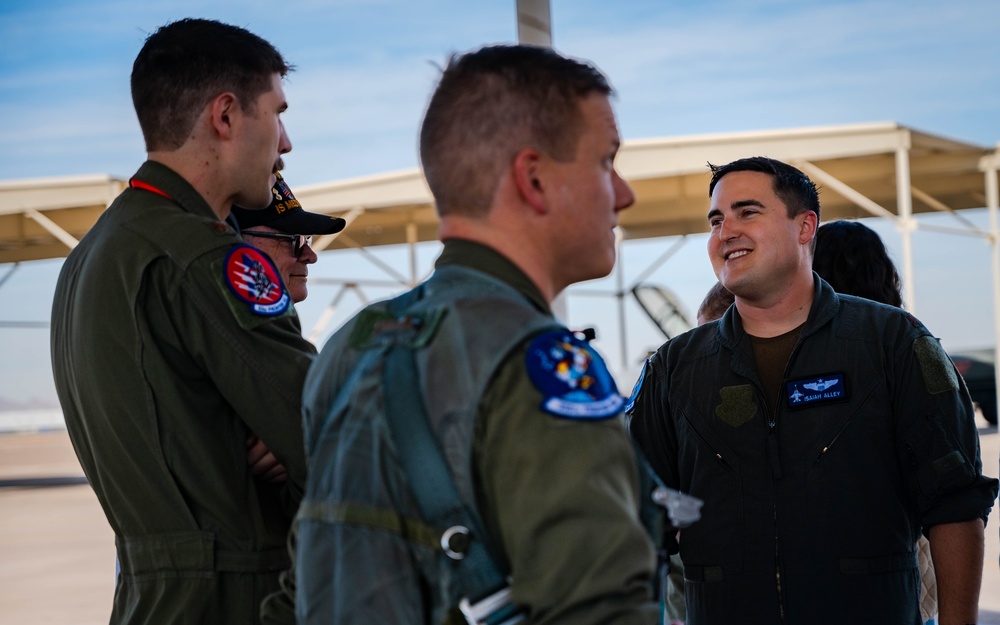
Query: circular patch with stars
(253, 278)
(572, 377)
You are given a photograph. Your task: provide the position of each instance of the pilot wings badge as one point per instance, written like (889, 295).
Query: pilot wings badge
(807, 392)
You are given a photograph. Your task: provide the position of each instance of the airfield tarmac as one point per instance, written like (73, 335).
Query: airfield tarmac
(58, 552)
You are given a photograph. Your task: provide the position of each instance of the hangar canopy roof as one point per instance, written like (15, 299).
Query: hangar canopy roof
(855, 166)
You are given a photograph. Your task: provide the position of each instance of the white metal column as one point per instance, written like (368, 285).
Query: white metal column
(620, 294)
(411, 241)
(989, 167)
(904, 208)
(534, 27)
(534, 22)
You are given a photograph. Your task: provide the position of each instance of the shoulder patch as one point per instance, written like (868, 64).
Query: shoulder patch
(937, 369)
(630, 404)
(572, 377)
(252, 277)
(913, 320)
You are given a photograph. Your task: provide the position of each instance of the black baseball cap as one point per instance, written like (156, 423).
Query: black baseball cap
(285, 213)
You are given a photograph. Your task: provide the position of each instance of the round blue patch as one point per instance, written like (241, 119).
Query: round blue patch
(630, 404)
(572, 377)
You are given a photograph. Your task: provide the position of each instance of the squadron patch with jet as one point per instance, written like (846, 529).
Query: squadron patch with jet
(254, 279)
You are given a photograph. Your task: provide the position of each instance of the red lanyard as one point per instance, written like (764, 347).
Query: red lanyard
(145, 186)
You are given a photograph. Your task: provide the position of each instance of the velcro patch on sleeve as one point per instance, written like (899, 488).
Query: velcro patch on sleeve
(951, 460)
(254, 280)
(572, 377)
(939, 372)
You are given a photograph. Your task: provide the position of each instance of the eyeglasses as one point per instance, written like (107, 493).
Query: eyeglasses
(299, 241)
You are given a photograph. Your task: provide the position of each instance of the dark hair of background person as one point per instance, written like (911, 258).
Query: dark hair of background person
(489, 105)
(793, 187)
(716, 302)
(185, 64)
(854, 260)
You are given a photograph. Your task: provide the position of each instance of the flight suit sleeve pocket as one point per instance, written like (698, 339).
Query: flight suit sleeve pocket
(940, 463)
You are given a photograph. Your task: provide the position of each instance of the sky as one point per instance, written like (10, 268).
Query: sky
(365, 69)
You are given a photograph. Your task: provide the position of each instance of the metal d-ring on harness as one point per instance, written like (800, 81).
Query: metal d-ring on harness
(486, 597)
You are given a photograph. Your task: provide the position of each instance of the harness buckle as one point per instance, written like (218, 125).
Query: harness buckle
(495, 609)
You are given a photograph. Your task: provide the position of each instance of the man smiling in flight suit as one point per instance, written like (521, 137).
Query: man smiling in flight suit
(823, 431)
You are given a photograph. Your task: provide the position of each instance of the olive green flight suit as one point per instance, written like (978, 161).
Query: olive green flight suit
(163, 372)
(559, 496)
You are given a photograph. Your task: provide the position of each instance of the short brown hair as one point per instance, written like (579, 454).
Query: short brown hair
(795, 189)
(489, 105)
(185, 64)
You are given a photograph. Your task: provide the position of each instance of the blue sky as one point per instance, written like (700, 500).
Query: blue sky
(365, 69)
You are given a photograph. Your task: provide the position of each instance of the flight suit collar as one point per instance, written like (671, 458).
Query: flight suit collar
(487, 260)
(824, 308)
(174, 186)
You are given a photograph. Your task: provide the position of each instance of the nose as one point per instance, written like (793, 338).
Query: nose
(728, 229)
(284, 143)
(624, 196)
(307, 255)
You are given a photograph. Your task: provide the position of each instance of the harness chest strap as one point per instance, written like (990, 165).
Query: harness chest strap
(371, 517)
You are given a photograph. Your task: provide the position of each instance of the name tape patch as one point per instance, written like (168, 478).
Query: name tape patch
(572, 377)
(823, 389)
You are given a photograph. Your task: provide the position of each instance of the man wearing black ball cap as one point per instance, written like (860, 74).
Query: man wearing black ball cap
(284, 232)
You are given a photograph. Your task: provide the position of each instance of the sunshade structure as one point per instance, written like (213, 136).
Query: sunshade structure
(864, 170)
(878, 169)
(45, 217)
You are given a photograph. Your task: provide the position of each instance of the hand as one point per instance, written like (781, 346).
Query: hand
(262, 462)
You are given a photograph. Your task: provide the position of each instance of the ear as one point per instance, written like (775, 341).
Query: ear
(528, 180)
(223, 110)
(807, 229)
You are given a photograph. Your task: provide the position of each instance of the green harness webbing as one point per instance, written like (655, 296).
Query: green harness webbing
(486, 590)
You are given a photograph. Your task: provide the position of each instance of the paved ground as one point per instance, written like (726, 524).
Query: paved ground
(58, 553)
(58, 563)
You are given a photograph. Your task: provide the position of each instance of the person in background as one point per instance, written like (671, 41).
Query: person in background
(717, 301)
(284, 232)
(173, 341)
(852, 258)
(824, 433)
(518, 147)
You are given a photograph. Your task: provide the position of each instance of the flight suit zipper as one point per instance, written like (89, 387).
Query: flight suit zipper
(776, 472)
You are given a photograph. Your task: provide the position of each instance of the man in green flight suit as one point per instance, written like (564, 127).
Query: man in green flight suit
(174, 343)
(518, 148)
